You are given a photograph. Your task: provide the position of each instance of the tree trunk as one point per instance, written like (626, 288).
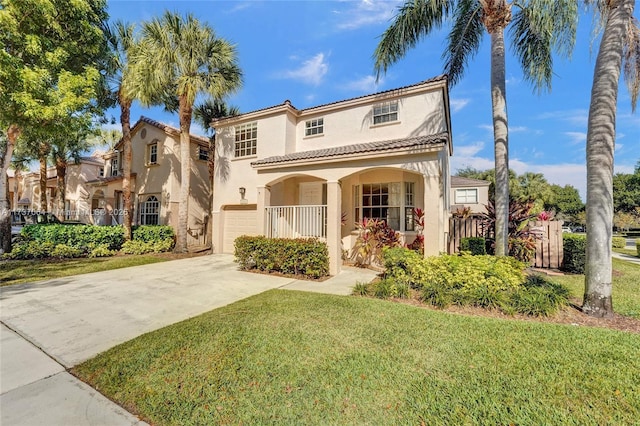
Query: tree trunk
(5, 214)
(61, 183)
(43, 179)
(601, 133)
(125, 114)
(185, 113)
(501, 144)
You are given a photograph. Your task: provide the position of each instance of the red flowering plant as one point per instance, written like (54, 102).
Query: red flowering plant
(373, 236)
(418, 243)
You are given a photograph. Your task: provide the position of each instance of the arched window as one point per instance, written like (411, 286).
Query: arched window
(150, 211)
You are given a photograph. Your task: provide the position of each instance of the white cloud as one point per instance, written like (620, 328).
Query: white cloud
(458, 103)
(312, 71)
(576, 137)
(468, 151)
(516, 129)
(487, 127)
(578, 117)
(367, 12)
(510, 81)
(366, 84)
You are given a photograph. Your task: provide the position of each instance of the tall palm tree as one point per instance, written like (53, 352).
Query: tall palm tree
(538, 27)
(120, 37)
(179, 58)
(620, 43)
(204, 114)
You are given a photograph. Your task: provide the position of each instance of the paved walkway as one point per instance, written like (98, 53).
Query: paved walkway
(51, 326)
(628, 258)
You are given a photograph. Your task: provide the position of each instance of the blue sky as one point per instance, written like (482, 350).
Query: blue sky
(315, 52)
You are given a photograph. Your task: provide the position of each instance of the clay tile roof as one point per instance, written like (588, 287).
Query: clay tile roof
(370, 147)
(462, 181)
(170, 129)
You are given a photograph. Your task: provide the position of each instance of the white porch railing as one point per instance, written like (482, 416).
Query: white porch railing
(296, 221)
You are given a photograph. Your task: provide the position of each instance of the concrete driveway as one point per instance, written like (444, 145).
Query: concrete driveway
(50, 326)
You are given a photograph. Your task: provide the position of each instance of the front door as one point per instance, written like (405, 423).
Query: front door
(311, 193)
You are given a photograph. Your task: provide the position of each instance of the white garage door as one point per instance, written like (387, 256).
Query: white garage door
(238, 220)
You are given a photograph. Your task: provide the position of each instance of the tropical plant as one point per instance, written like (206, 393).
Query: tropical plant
(179, 58)
(122, 41)
(521, 239)
(374, 235)
(418, 242)
(538, 27)
(620, 43)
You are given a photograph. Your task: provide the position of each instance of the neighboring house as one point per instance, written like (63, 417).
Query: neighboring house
(155, 181)
(24, 189)
(288, 172)
(471, 193)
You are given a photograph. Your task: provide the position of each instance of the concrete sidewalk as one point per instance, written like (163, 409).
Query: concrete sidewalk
(626, 257)
(51, 326)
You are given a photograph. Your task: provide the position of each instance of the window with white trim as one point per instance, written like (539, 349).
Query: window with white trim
(385, 113)
(467, 196)
(314, 127)
(246, 140)
(150, 211)
(152, 153)
(101, 172)
(409, 207)
(203, 153)
(114, 166)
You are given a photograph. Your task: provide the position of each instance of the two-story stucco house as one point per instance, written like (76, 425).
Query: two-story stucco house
(288, 172)
(155, 181)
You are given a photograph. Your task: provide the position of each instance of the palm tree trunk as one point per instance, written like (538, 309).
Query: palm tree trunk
(601, 134)
(5, 217)
(501, 144)
(61, 173)
(43, 178)
(185, 113)
(125, 118)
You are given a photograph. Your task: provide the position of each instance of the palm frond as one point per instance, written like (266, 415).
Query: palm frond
(414, 20)
(464, 38)
(631, 59)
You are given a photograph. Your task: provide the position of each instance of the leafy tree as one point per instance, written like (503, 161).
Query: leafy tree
(537, 28)
(50, 55)
(620, 41)
(626, 191)
(565, 201)
(179, 58)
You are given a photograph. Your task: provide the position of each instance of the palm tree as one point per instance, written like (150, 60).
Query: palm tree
(538, 27)
(120, 37)
(620, 43)
(205, 113)
(179, 58)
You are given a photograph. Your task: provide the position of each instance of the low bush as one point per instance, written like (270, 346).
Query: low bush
(78, 236)
(307, 257)
(62, 251)
(618, 242)
(101, 251)
(153, 233)
(143, 247)
(475, 245)
(466, 280)
(575, 253)
(30, 250)
(374, 235)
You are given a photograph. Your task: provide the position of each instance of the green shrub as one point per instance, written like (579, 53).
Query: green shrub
(436, 295)
(153, 233)
(638, 246)
(374, 235)
(361, 289)
(307, 257)
(101, 251)
(618, 242)
(30, 250)
(475, 245)
(386, 288)
(64, 251)
(143, 247)
(79, 236)
(575, 253)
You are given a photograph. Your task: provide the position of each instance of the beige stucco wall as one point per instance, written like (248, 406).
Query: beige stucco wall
(483, 198)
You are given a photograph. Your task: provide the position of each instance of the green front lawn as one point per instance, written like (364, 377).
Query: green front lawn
(286, 357)
(626, 287)
(26, 271)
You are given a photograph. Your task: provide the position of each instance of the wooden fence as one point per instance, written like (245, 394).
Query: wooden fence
(549, 249)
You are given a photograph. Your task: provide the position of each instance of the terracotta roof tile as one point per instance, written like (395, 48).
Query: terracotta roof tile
(339, 151)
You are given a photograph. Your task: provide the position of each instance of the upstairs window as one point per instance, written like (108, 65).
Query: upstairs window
(114, 166)
(152, 153)
(246, 140)
(466, 196)
(203, 153)
(101, 172)
(385, 113)
(314, 127)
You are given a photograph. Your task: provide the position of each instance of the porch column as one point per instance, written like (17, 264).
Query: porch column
(433, 216)
(216, 231)
(264, 200)
(334, 229)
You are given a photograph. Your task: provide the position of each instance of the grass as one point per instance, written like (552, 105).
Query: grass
(286, 357)
(25, 271)
(626, 287)
(629, 251)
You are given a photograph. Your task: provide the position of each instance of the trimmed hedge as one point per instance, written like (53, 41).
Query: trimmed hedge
(83, 237)
(575, 253)
(618, 242)
(307, 257)
(475, 245)
(153, 233)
